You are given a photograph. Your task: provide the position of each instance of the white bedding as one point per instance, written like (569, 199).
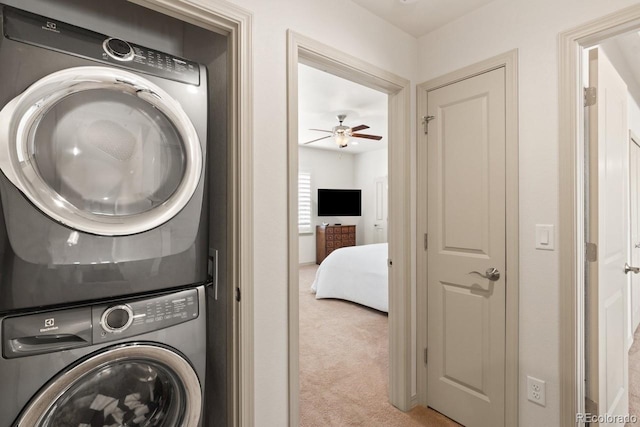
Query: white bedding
(355, 273)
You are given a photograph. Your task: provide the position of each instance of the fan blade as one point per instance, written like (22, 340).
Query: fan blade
(361, 127)
(362, 135)
(322, 130)
(314, 140)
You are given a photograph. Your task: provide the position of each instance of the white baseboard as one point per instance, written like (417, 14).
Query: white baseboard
(414, 401)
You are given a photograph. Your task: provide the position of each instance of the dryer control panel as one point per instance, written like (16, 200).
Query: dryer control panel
(52, 34)
(57, 330)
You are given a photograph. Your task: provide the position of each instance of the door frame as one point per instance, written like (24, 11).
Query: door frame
(302, 49)
(509, 61)
(633, 139)
(225, 18)
(571, 237)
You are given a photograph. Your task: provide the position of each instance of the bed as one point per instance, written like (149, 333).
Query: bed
(355, 273)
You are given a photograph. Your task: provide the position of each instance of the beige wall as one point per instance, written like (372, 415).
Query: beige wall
(369, 166)
(634, 117)
(338, 23)
(328, 169)
(533, 28)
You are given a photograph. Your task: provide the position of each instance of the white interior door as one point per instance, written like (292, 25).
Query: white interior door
(609, 230)
(381, 208)
(634, 179)
(466, 230)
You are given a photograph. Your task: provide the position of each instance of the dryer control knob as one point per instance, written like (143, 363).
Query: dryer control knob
(118, 49)
(117, 318)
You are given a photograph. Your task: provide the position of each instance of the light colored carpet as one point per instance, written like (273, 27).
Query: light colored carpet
(344, 364)
(634, 377)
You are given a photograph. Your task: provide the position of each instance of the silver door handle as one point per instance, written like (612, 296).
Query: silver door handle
(492, 274)
(628, 268)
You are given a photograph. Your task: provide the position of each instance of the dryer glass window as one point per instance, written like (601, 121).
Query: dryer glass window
(136, 393)
(108, 152)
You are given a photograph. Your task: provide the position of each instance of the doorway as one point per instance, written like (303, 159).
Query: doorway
(575, 254)
(343, 298)
(612, 113)
(309, 52)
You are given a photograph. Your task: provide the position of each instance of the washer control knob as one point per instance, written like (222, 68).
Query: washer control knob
(118, 49)
(117, 318)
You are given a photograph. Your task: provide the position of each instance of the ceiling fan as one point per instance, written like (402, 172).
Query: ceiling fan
(342, 133)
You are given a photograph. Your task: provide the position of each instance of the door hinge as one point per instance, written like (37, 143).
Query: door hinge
(426, 357)
(590, 96)
(426, 241)
(592, 252)
(238, 294)
(425, 123)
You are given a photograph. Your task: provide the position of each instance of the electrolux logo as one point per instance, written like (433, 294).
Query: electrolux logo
(51, 26)
(49, 325)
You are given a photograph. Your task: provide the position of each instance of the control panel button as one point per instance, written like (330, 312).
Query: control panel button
(118, 49)
(117, 318)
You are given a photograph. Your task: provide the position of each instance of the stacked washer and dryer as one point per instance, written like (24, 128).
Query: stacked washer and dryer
(103, 229)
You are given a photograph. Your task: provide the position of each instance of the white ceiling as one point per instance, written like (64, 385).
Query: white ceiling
(624, 52)
(322, 96)
(419, 17)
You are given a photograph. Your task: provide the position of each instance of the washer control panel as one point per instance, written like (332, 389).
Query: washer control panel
(118, 320)
(52, 34)
(56, 330)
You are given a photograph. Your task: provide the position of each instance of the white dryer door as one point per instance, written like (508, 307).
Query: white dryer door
(135, 385)
(100, 150)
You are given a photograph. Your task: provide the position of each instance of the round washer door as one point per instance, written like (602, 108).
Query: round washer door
(140, 385)
(101, 150)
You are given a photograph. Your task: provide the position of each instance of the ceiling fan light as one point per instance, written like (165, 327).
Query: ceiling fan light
(342, 139)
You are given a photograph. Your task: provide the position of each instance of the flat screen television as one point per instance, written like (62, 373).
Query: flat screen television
(334, 202)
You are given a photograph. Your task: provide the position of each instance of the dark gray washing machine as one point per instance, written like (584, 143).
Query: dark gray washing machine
(102, 153)
(135, 363)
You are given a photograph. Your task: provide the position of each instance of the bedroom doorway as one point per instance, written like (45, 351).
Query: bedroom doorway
(343, 296)
(397, 263)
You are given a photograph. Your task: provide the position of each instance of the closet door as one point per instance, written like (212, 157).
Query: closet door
(466, 259)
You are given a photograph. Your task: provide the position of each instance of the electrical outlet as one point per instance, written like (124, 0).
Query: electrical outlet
(536, 391)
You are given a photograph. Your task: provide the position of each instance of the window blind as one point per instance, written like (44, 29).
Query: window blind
(304, 202)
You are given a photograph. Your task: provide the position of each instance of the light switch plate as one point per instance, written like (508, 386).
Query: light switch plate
(545, 237)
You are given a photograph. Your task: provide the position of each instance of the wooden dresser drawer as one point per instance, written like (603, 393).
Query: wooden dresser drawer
(332, 237)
